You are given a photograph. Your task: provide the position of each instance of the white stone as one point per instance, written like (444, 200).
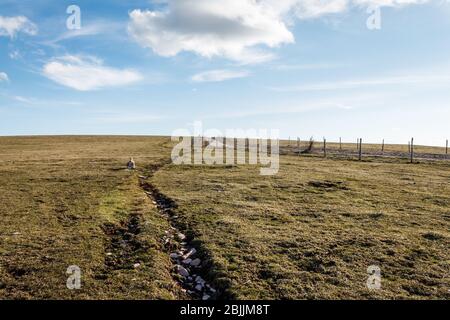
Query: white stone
(187, 261)
(206, 297)
(196, 262)
(136, 265)
(190, 253)
(182, 271)
(200, 281)
(199, 287)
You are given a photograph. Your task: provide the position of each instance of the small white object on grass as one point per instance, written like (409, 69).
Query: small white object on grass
(131, 165)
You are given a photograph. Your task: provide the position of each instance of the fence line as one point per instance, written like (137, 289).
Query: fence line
(359, 143)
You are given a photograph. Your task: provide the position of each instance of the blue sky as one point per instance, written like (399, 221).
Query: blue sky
(304, 67)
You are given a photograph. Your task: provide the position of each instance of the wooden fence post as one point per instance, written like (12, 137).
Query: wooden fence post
(324, 147)
(340, 143)
(360, 149)
(412, 150)
(446, 147)
(382, 147)
(236, 148)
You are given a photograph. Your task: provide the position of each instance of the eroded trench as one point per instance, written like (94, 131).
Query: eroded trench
(189, 265)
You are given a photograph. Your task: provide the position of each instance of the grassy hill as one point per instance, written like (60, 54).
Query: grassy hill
(309, 232)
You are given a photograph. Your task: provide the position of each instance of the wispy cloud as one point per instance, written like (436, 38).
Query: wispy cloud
(344, 103)
(353, 84)
(23, 99)
(10, 26)
(86, 73)
(4, 77)
(219, 75)
(312, 66)
(126, 118)
(14, 55)
(40, 102)
(93, 29)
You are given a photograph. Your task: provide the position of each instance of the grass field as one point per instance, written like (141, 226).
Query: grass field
(62, 202)
(310, 231)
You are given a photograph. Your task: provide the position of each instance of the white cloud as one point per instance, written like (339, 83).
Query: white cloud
(4, 77)
(240, 30)
(87, 73)
(10, 26)
(232, 29)
(219, 75)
